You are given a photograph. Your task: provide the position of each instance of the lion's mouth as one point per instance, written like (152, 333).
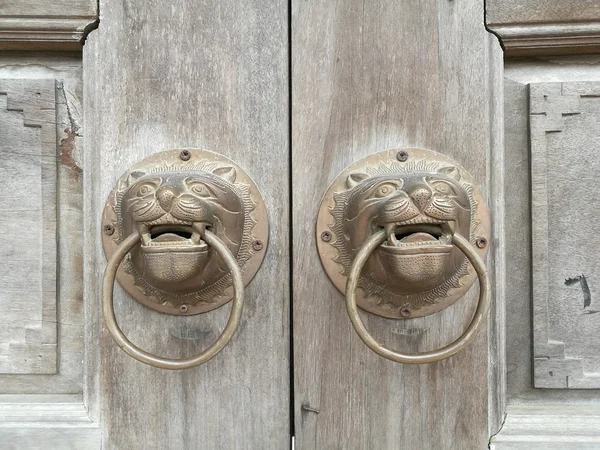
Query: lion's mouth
(416, 257)
(173, 253)
(173, 238)
(405, 239)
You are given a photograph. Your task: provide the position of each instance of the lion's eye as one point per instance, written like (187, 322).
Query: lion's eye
(444, 189)
(145, 189)
(384, 190)
(200, 189)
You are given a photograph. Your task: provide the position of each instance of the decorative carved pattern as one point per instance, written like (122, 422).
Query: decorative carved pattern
(565, 129)
(28, 333)
(169, 201)
(416, 274)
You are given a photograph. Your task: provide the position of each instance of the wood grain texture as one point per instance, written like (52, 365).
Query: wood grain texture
(67, 95)
(519, 348)
(370, 76)
(28, 297)
(31, 23)
(556, 427)
(211, 75)
(46, 421)
(565, 120)
(548, 26)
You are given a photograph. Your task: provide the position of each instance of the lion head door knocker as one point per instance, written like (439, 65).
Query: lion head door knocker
(184, 231)
(404, 234)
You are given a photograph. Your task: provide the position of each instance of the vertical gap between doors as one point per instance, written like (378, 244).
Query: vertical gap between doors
(291, 229)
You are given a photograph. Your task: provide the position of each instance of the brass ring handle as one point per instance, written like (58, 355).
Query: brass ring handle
(154, 360)
(483, 305)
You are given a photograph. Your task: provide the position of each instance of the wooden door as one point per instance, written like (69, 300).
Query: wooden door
(294, 92)
(390, 74)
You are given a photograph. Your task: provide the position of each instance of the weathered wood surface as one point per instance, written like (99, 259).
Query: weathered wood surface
(211, 75)
(57, 422)
(545, 26)
(565, 125)
(536, 418)
(519, 315)
(65, 149)
(29, 24)
(28, 330)
(369, 77)
(557, 427)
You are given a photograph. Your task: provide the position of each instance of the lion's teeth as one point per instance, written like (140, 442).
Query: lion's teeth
(446, 239)
(195, 237)
(146, 238)
(392, 239)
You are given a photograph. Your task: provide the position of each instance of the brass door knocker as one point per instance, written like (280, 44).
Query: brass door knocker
(183, 231)
(404, 234)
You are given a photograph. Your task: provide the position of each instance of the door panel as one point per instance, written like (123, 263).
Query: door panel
(211, 75)
(368, 77)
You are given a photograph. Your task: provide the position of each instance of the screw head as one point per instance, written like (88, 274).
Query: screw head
(402, 156)
(326, 236)
(183, 308)
(405, 312)
(257, 245)
(108, 229)
(481, 242)
(185, 155)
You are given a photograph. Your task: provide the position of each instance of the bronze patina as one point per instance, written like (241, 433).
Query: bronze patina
(170, 201)
(412, 272)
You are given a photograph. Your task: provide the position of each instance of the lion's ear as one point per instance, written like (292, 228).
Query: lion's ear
(227, 173)
(131, 178)
(355, 178)
(451, 172)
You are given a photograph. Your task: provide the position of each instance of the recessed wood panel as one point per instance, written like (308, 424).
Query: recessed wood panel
(28, 332)
(565, 131)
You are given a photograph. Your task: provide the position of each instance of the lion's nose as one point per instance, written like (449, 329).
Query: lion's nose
(165, 197)
(420, 197)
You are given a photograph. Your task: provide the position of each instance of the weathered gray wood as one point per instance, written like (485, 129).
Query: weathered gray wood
(545, 26)
(369, 76)
(565, 125)
(28, 331)
(556, 427)
(28, 24)
(42, 422)
(45, 421)
(69, 315)
(202, 74)
(519, 74)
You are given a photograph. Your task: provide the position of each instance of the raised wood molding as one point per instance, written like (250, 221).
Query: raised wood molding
(40, 422)
(527, 27)
(31, 24)
(549, 427)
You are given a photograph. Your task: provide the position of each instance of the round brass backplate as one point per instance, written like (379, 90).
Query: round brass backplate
(412, 274)
(169, 198)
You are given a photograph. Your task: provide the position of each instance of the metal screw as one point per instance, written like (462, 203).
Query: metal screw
(405, 312)
(257, 245)
(183, 308)
(402, 156)
(481, 242)
(185, 155)
(109, 229)
(326, 236)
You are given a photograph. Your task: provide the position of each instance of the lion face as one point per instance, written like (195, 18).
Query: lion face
(170, 210)
(413, 262)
